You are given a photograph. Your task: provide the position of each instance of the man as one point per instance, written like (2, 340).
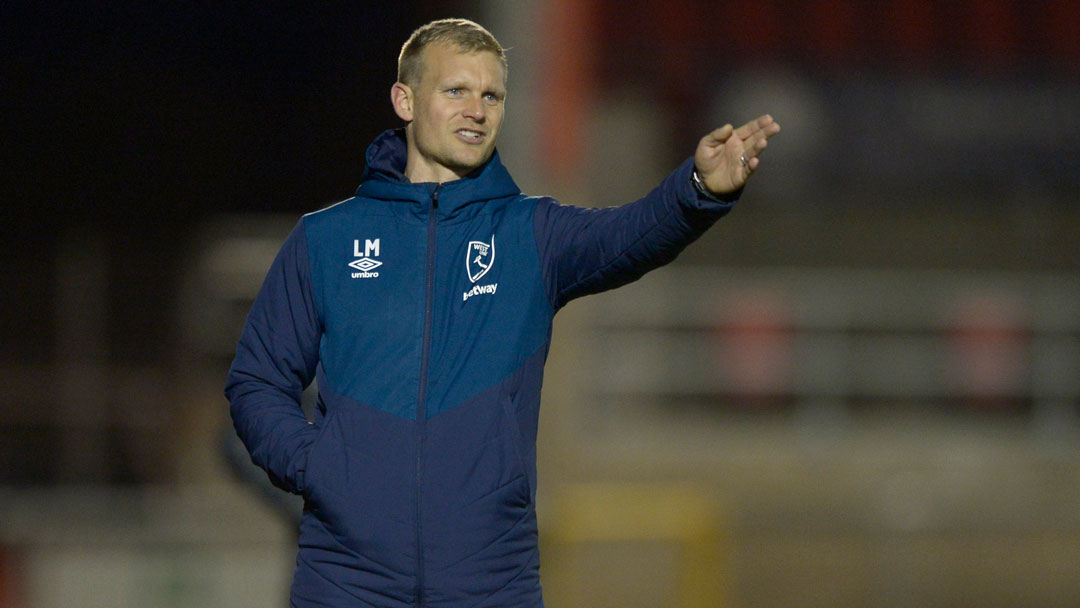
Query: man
(423, 306)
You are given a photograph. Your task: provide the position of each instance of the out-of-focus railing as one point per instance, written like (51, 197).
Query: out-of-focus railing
(843, 338)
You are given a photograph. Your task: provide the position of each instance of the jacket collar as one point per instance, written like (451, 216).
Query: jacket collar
(384, 178)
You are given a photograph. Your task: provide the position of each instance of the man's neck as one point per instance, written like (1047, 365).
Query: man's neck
(418, 173)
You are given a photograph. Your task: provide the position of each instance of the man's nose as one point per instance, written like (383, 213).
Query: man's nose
(474, 109)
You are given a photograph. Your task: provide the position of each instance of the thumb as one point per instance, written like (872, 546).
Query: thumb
(718, 136)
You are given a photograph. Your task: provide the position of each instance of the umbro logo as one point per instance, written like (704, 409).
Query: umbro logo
(365, 262)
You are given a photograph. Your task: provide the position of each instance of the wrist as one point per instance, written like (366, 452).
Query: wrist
(702, 189)
(726, 198)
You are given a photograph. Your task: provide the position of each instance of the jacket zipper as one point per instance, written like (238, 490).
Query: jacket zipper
(421, 413)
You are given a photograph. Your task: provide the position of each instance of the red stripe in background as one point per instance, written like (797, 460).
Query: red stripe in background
(566, 80)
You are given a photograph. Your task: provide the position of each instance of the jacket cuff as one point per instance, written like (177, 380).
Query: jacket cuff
(690, 195)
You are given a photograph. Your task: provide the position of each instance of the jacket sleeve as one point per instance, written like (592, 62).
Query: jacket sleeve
(585, 251)
(275, 360)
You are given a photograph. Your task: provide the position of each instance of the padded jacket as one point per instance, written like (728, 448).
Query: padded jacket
(424, 312)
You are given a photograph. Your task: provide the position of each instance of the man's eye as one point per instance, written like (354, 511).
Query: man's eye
(454, 91)
(491, 97)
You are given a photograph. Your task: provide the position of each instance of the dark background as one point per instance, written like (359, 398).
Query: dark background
(134, 121)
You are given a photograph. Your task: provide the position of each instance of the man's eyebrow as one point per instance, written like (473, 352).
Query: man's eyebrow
(499, 92)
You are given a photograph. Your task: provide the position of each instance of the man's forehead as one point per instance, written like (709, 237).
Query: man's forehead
(449, 52)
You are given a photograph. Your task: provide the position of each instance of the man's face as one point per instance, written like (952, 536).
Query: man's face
(457, 109)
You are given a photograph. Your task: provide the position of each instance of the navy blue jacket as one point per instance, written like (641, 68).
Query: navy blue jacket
(424, 311)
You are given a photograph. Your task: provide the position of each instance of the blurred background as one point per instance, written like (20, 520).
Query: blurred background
(861, 389)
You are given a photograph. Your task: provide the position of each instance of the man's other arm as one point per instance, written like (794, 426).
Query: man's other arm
(275, 360)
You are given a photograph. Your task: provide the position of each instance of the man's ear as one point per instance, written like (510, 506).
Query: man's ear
(402, 98)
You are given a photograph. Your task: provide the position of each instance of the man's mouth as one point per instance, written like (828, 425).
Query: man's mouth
(470, 135)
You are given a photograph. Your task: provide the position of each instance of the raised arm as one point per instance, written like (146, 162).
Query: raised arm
(584, 250)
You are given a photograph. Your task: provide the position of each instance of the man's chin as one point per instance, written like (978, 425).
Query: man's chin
(465, 166)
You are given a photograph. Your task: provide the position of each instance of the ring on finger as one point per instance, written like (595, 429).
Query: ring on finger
(742, 159)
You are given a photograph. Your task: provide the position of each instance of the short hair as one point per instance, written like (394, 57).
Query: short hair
(467, 36)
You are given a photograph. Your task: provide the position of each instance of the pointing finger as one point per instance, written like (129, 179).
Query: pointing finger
(759, 140)
(754, 126)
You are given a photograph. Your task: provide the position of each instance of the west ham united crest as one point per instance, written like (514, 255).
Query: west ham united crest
(479, 258)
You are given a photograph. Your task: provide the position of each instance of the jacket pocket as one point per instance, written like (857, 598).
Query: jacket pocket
(523, 448)
(362, 497)
(320, 452)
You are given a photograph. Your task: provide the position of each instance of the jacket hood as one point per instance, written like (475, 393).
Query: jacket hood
(384, 177)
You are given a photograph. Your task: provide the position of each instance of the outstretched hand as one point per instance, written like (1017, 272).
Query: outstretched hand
(727, 157)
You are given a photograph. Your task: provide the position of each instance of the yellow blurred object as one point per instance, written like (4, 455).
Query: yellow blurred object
(594, 513)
